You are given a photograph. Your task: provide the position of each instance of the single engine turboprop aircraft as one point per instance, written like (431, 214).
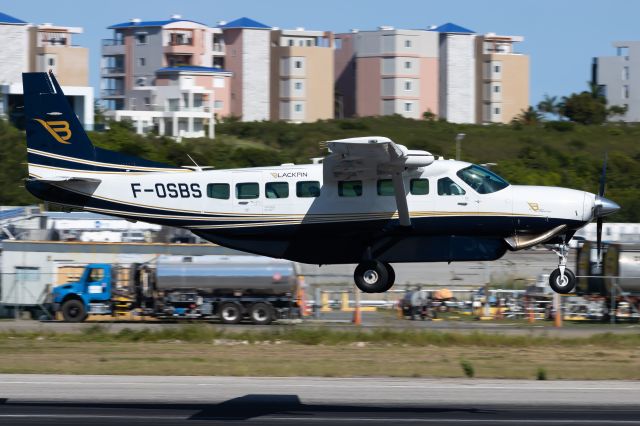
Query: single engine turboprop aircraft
(372, 202)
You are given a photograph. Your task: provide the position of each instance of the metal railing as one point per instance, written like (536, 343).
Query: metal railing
(112, 92)
(113, 70)
(112, 42)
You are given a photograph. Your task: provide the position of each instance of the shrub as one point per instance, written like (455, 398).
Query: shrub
(467, 368)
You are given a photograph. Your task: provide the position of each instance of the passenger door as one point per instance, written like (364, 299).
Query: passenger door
(457, 206)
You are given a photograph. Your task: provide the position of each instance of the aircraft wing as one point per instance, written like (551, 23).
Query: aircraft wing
(371, 158)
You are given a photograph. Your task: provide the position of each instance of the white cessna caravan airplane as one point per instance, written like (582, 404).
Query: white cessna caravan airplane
(371, 202)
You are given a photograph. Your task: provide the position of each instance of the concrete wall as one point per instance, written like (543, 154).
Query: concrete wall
(14, 53)
(458, 78)
(255, 74)
(345, 75)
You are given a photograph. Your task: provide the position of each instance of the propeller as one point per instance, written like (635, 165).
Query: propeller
(603, 181)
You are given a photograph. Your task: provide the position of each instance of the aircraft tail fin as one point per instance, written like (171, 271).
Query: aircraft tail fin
(56, 138)
(53, 129)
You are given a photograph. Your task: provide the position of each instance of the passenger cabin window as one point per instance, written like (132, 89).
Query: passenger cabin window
(385, 188)
(448, 187)
(419, 186)
(276, 189)
(350, 188)
(247, 191)
(218, 190)
(308, 189)
(482, 181)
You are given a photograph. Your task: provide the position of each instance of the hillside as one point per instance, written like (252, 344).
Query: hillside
(557, 153)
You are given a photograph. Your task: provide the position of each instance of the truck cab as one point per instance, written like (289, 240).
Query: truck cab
(89, 295)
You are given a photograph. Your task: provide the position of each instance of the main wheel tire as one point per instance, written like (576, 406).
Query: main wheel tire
(562, 286)
(392, 276)
(230, 313)
(261, 313)
(371, 277)
(74, 311)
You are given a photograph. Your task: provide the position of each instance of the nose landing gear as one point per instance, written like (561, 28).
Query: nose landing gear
(562, 280)
(373, 276)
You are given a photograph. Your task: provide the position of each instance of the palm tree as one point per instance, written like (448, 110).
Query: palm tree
(528, 117)
(549, 105)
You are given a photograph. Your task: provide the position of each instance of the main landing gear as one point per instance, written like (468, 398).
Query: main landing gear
(562, 280)
(373, 276)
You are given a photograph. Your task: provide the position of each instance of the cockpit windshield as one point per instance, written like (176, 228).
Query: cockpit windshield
(482, 181)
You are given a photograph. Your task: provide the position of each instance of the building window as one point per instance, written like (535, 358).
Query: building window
(408, 106)
(142, 61)
(218, 190)
(496, 68)
(141, 38)
(247, 191)
(337, 43)
(625, 73)
(298, 108)
(298, 85)
(309, 43)
(407, 65)
(625, 92)
(496, 89)
(308, 189)
(52, 62)
(290, 42)
(496, 111)
(350, 188)
(218, 104)
(297, 64)
(407, 43)
(407, 85)
(623, 51)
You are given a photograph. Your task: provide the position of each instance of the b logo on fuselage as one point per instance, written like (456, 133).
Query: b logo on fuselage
(59, 130)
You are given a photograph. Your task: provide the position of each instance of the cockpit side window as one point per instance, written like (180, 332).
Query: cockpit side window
(448, 187)
(482, 181)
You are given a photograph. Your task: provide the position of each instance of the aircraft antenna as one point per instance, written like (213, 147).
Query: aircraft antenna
(194, 162)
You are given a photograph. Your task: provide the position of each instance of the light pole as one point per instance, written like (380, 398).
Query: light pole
(459, 138)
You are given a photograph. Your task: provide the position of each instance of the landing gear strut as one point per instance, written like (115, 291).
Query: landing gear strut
(562, 280)
(373, 276)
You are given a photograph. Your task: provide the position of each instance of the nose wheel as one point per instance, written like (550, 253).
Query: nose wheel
(373, 276)
(562, 280)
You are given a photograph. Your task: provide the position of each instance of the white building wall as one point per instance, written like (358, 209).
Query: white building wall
(13, 55)
(256, 72)
(457, 78)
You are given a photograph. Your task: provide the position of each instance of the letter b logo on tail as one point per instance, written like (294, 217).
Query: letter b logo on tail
(58, 129)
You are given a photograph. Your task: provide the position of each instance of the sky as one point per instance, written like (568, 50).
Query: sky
(561, 36)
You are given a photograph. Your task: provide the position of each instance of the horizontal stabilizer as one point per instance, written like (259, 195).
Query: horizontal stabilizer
(69, 179)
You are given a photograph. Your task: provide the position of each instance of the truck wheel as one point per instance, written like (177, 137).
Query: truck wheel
(230, 313)
(74, 311)
(261, 313)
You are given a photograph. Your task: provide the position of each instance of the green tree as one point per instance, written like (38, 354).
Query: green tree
(528, 117)
(549, 105)
(585, 108)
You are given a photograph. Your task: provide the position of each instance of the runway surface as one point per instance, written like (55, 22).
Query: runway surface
(145, 400)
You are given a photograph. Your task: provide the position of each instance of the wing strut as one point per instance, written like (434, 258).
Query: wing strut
(401, 199)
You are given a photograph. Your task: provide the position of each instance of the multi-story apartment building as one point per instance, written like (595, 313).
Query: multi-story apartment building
(386, 71)
(301, 75)
(166, 76)
(618, 78)
(443, 70)
(503, 79)
(37, 48)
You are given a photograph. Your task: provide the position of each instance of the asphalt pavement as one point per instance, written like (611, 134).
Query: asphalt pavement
(150, 400)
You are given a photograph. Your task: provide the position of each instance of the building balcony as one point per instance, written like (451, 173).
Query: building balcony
(112, 70)
(112, 93)
(112, 46)
(180, 49)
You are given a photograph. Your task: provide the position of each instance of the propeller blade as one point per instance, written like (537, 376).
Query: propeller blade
(603, 176)
(599, 238)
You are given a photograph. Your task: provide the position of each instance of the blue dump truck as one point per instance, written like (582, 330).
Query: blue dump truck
(228, 288)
